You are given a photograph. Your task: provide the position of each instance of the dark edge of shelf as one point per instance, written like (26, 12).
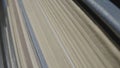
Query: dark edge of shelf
(1, 38)
(101, 24)
(116, 2)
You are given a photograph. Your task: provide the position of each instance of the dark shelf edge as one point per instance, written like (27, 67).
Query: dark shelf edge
(109, 33)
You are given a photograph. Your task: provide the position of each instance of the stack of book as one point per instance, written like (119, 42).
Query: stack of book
(55, 34)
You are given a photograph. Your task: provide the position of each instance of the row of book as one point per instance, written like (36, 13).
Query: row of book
(54, 34)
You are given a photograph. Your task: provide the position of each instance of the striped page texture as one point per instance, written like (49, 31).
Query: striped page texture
(55, 34)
